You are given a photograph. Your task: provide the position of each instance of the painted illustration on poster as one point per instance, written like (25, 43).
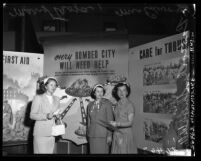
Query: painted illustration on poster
(159, 102)
(161, 73)
(20, 74)
(155, 130)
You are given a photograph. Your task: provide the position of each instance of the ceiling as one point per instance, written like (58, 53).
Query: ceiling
(135, 18)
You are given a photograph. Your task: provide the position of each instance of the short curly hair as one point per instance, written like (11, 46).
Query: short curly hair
(94, 90)
(115, 90)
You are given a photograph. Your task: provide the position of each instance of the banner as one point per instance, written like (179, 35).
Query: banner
(158, 73)
(80, 62)
(20, 74)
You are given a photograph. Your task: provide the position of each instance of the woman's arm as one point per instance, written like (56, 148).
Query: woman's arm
(109, 117)
(88, 121)
(128, 123)
(59, 109)
(88, 117)
(35, 110)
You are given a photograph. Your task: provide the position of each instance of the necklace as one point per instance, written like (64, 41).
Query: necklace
(96, 105)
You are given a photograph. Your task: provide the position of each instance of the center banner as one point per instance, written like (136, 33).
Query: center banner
(78, 63)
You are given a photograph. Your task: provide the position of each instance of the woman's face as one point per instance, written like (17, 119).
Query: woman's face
(122, 92)
(51, 86)
(99, 93)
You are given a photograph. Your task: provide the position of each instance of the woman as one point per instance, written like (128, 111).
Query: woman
(42, 110)
(123, 139)
(99, 110)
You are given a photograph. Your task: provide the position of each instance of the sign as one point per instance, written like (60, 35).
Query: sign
(20, 74)
(158, 73)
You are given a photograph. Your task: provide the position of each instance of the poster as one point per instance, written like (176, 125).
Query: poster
(162, 73)
(20, 74)
(155, 130)
(158, 72)
(78, 63)
(161, 102)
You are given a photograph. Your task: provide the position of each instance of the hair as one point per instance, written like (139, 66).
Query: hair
(115, 90)
(42, 87)
(94, 90)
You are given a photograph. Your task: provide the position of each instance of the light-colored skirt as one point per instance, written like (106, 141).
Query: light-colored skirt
(44, 144)
(124, 143)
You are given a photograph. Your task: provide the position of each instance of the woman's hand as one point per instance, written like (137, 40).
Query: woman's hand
(114, 123)
(49, 116)
(109, 140)
(57, 113)
(58, 116)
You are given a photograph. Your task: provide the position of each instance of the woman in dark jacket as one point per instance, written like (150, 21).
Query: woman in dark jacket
(100, 109)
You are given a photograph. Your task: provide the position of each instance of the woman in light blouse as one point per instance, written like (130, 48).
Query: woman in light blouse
(123, 140)
(42, 111)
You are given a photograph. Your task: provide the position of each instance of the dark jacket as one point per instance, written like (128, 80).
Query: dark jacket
(105, 113)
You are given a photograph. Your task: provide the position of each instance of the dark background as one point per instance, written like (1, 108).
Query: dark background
(142, 23)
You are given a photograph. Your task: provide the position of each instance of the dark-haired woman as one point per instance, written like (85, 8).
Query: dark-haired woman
(123, 140)
(42, 111)
(100, 109)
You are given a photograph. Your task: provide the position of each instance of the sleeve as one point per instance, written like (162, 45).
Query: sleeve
(131, 108)
(110, 116)
(88, 118)
(35, 110)
(58, 105)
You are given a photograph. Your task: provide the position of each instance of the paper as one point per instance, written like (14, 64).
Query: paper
(108, 125)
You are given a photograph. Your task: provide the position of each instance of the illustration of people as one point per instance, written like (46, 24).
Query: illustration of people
(84, 83)
(149, 78)
(152, 76)
(77, 84)
(7, 115)
(170, 75)
(145, 76)
(160, 74)
(21, 131)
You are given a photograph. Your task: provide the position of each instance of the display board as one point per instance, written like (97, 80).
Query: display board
(159, 75)
(20, 74)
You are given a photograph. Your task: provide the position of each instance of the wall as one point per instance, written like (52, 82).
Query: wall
(9, 41)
